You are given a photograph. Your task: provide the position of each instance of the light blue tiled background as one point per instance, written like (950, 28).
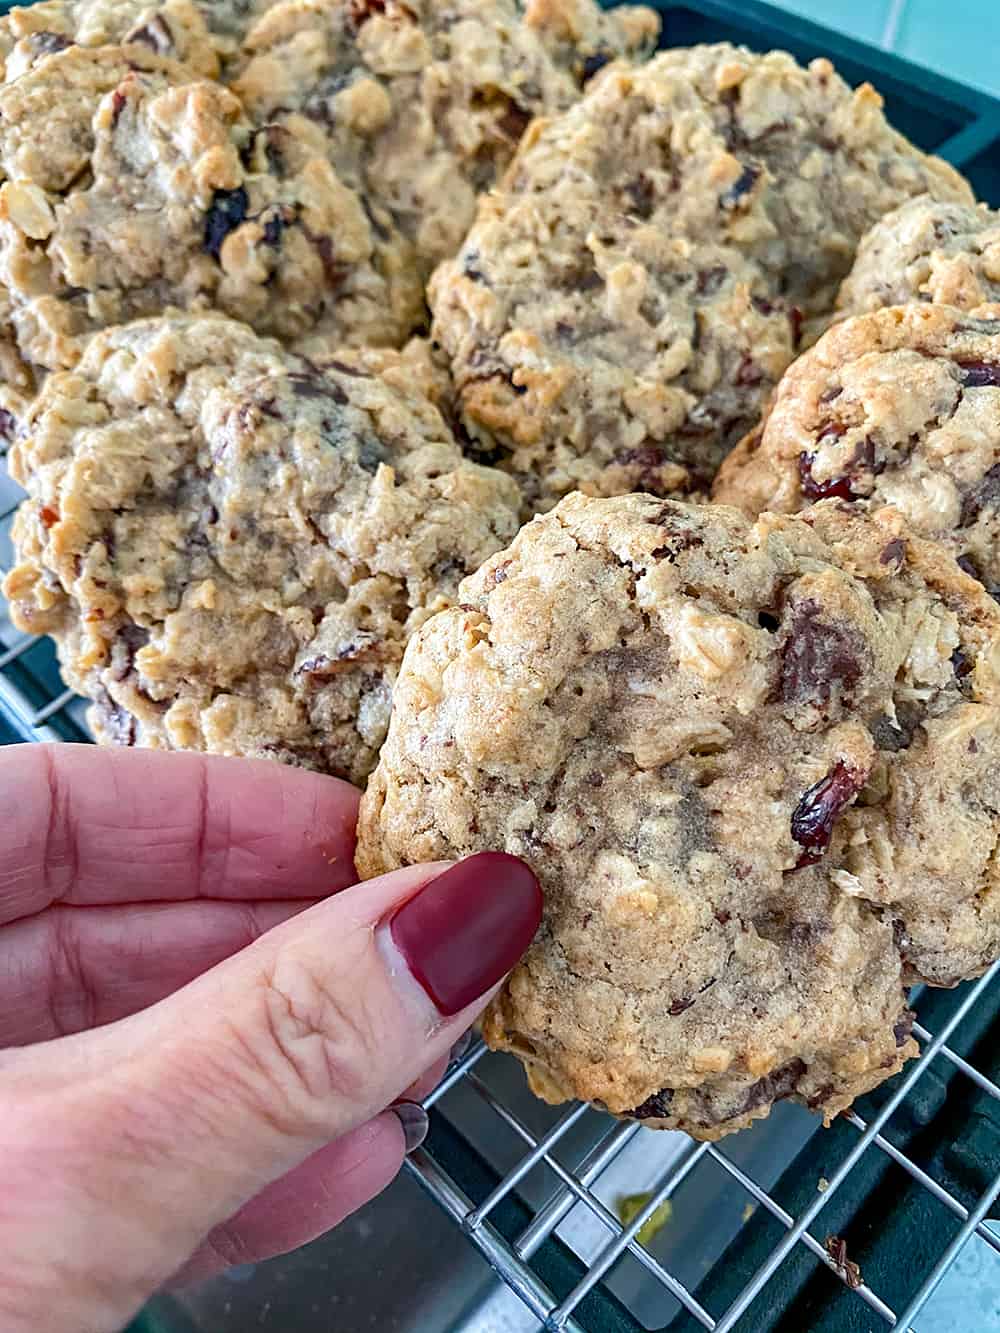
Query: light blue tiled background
(960, 38)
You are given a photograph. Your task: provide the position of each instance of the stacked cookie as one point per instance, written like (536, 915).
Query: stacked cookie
(749, 745)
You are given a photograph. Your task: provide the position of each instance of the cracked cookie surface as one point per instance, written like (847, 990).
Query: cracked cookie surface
(897, 407)
(230, 545)
(927, 250)
(756, 769)
(630, 294)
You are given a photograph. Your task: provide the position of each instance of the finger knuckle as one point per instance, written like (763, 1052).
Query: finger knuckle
(319, 1043)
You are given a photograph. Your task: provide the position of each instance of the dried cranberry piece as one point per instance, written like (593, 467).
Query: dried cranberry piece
(49, 517)
(819, 808)
(816, 655)
(748, 374)
(893, 552)
(229, 208)
(979, 374)
(678, 1006)
(655, 1107)
(796, 319)
(8, 424)
(839, 487)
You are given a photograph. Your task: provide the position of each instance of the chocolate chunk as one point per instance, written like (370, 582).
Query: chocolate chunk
(8, 425)
(470, 269)
(816, 655)
(229, 208)
(887, 736)
(309, 385)
(48, 43)
(979, 374)
(743, 184)
(129, 639)
(709, 280)
(273, 228)
(960, 664)
(656, 1107)
(118, 723)
(155, 34)
(640, 197)
(773, 1087)
(987, 493)
(819, 808)
(334, 271)
(594, 63)
(514, 121)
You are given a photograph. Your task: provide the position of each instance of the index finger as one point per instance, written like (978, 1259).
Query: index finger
(88, 826)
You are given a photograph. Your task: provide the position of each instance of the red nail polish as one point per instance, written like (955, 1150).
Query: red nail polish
(467, 928)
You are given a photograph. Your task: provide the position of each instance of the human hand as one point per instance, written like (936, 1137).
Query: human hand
(196, 1054)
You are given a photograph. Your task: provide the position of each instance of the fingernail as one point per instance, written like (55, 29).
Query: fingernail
(466, 929)
(413, 1118)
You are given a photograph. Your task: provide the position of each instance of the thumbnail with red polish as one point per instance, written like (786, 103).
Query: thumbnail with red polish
(466, 929)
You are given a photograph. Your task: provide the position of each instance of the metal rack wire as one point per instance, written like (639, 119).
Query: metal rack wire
(41, 718)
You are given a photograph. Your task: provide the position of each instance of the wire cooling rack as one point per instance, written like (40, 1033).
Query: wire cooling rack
(562, 1251)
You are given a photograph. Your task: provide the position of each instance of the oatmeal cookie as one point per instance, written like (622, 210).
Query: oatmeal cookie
(196, 32)
(627, 299)
(133, 188)
(897, 407)
(231, 544)
(419, 106)
(756, 769)
(927, 250)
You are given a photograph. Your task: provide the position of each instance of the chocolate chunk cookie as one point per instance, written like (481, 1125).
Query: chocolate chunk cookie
(230, 544)
(898, 407)
(196, 32)
(756, 768)
(625, 302)
(133, 189)
(419, 106)
(927, 250)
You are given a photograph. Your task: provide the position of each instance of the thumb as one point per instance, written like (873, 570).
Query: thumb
(125, 1146)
